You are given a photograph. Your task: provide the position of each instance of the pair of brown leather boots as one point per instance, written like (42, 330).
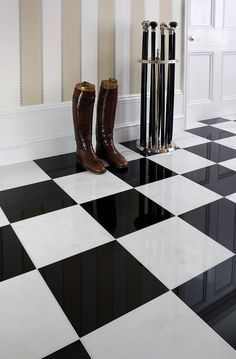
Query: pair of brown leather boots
(83, 103)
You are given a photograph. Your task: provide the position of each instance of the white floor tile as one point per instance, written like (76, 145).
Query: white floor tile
(164, 328)
(21, 174)
(194, 124)
(229, 164)
(86, 186)
(230, 117)
(229, 126)
(178, 194)
(181, 161)
(32, 322)
(228, 142)
(60, 234)
(232, 197)
(185, 139)
(127, 153)
(3, 219)
(174, 251)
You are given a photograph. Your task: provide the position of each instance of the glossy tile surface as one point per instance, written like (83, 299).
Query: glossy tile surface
(3, 219)
(181, 161)
(217, 178)
(183, 194)
(99, 285)
(126, 212)
(217, 220)
(174, 251)
(213, 152)
(211, 133)
(59, 166)
(60, 234)
(99, 186)
(184, 139)
(32, 200)
(110, 250)
(213, 121)
(32, 323)
(228, 142)
(127, 153)
(20, 174)
(73, 351)
(164, 328)
(13, 258)
(131, 145)
(230, 164)
(232, 197)
(142, 171)
(229, 126)
(212, 295)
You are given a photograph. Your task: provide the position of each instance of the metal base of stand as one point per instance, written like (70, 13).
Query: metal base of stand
(157, 149)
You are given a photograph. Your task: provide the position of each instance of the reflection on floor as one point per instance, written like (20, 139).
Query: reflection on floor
(138, 263)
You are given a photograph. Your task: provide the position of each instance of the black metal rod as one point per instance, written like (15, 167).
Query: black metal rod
(144, 73)
(162, 80)
(152, 109)
(170, 86)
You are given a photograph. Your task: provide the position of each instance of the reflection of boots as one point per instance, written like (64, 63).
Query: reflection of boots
(83, 102)
(106, 110)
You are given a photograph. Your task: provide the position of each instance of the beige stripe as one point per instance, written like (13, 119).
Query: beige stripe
(106, 39)
(30, 12)
(166, 11)
(136, 44)
(71, 46)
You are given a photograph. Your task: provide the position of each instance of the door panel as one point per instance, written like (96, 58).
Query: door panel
(211, 52)
(199, 17)
(201, 84)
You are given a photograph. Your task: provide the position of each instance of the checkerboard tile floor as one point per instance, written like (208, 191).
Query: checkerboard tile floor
(132, 264)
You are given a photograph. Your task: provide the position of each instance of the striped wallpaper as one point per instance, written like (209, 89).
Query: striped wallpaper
(49, 45)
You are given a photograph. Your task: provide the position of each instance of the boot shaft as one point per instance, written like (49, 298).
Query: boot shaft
(106, 108)
(83, 103)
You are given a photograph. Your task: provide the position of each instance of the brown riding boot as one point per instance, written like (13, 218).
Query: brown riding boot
(83, 103)
(106, 111)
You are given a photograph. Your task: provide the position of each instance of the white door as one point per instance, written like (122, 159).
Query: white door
(211, 58)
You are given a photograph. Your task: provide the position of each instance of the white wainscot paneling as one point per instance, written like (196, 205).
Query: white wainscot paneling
(200, 73)
(229, 14)
(229, 75)
(33, 132)
(201, 13)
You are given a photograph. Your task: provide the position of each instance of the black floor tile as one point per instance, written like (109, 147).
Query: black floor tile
(32, 200)
(100, 285)
(13, 258)
(59, 166)
(212, 295)
(142, 171)
(213, 151)
(132, 146)
(213, 121)
(217, 220)
(72, 351)
(211, 133)
(125, 212)
(217, 178)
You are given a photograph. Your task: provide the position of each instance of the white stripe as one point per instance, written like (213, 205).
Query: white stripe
(52, 50)
(152, 10)
(89, 41)
(123, 35)
(10, 53)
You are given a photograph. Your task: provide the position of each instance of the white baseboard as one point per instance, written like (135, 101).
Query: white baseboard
(38, 131)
